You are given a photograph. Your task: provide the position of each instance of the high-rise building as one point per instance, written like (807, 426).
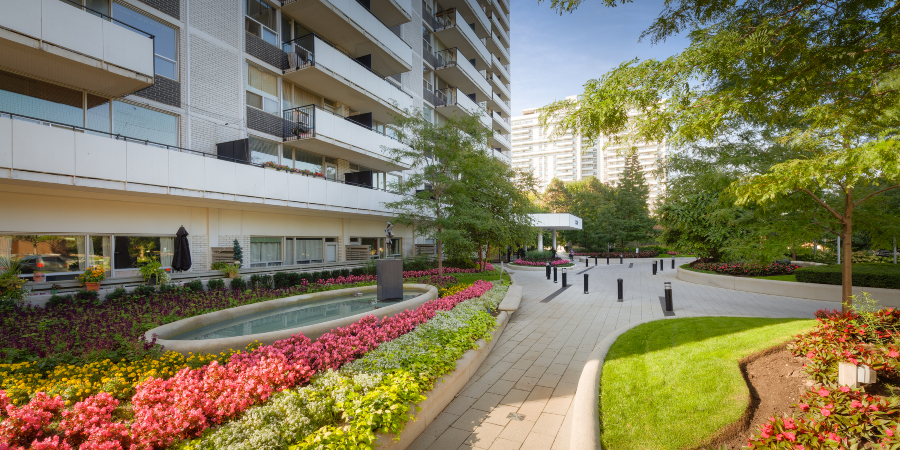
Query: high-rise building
(570, 158)
(260, 121)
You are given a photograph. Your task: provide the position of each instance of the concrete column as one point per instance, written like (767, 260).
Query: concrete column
(540, 239)
(554, 241)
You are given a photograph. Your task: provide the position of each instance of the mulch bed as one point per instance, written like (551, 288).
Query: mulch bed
(776, 380)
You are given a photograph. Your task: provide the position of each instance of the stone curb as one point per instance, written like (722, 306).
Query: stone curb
(809, 291)
(512, 299)
(585, 407)
(445, 390)
(311, 331)
(526, 268)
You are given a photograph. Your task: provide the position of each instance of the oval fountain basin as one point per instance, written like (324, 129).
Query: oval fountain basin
(273, 320)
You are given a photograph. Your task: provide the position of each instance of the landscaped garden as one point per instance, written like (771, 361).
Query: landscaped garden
(79, 375)
(540, 258)
(886, 276)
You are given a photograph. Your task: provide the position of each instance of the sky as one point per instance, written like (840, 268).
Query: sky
(553, 56)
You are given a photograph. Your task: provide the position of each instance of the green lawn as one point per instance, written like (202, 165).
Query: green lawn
(779, 278)
(465, 278)
(671, 384)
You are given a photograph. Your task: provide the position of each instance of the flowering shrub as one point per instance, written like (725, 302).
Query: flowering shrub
(290, 169)
(558, 262)
(93, 274)
(644, 254)
(747, 269)
(183, 406)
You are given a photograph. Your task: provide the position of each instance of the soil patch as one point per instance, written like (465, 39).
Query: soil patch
(776, 380)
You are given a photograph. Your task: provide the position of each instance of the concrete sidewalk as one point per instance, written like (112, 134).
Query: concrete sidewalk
(520, 397)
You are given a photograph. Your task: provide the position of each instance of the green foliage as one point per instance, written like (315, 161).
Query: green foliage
(238, 284)
(117, 294)
(262, 281)
(885, 276)
(238, 252)
(195, 285)
(419, 262)
(143, 291)
(218, 265)
(461, 263)
(215, 284)
(12, 288)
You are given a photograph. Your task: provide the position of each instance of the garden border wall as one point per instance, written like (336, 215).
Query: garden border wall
(310, 331)
(448, 386)
(810, 291)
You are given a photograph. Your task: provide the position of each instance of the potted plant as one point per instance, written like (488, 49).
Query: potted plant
(92, 277)
(54, 288)
(12, 287)
(233, 270)
(153, 272)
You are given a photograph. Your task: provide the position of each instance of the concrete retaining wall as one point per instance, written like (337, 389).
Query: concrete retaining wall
(810, 291)
(311, 331)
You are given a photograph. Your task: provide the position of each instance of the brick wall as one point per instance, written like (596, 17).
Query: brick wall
(218, 19)
(228, 241)
(265, 51)
(264, 122)
(170, 7)
(199, 252)
(163, 90)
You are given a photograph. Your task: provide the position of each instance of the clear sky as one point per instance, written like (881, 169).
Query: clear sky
(553, 56)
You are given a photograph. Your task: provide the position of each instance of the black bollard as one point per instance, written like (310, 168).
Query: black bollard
(621, 260)
(607, 260)
(548, 271)
(585, 283)
(554, 274)
(673, 261)
(620, 289)
(595, 261)
(661, 265)
(586, 261)
(564, 277)
(668, 289)
(654, 267)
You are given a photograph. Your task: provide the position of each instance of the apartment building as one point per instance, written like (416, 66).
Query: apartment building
(259, 121)
(570, 158)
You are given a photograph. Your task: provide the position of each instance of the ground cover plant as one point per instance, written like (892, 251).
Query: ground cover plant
(671, 384)
(558, 262)
(164, 411)
(834, 416)
(745, 269)
(885, 276)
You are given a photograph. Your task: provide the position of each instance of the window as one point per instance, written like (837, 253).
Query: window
(393, 182)
(265, 251)
(262, 90)
(133, 251)
(58, 257)
(304, 250)
(165, 42)
(261, 21)
(32, 98)
(144, 124)
(301, 159)
(262, 151)
(93, 6)
(291, 29)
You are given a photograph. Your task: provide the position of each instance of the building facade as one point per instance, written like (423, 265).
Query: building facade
(570, 158)
(260, 121)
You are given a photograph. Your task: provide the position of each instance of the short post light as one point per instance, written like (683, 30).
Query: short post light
(673, 261)
(654, 267)
(585, 283)
(621, 291)
(621, 259)
(595, 261)
(607, 260)
(586, 261)
(564, 277)
(667, 286)
(554, 274)
(548, 270)
(661, 265)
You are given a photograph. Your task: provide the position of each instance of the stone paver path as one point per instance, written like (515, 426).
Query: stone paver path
(534, 367)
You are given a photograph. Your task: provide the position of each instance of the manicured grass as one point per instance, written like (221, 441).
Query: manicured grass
(468, 278)
(671, 384)
(779, 278)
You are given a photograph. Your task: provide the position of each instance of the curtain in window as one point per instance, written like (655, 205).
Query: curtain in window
(82, 254)
(166, 250)
(261, 80)
(309, 249)
(265, 249)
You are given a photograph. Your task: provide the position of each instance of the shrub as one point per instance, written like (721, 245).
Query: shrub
(316, 276)
(885, 276)
(166, 288)
(345, 272)
(143, 291)
(280, 279)
(295, 279)
(215, 284)
(262, 281)
(326, 274)
(118, 293)
(419, 262)
(538, 255)
(57, 300)
(746, 269)
(461, 263)
(238, 284)
(196, 286)
(220, 265)
(358, 271)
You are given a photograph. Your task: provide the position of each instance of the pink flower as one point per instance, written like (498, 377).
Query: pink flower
(803, 407)
(790, 436)
(893, 354)
(844, 389)
(823, 392)
(789, 423)
(825, 412)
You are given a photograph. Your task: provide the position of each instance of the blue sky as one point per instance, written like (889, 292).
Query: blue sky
(553, 56)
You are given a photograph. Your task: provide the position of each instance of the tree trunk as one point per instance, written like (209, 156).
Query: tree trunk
(439, 258)
(847, 253)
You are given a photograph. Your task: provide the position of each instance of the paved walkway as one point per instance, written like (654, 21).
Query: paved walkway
(534, 367)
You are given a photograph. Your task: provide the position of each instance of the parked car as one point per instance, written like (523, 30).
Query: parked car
(885, 253)
(44, 263)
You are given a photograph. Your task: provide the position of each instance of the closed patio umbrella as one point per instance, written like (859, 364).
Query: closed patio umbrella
(181, 260)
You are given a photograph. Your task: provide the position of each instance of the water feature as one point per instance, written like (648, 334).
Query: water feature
(293, 316)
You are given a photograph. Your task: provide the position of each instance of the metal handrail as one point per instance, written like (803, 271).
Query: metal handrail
(428, 15)
(454, 59)
(117, 137)
(307, 45)
(306, 118)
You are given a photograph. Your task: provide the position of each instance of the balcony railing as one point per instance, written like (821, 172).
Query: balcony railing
(428, 54)
(106, 18)
(300, 123)
(428, 17)
(301, 53)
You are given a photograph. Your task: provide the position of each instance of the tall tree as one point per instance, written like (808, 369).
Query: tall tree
(823, 74)
(557, 197)
(631, 219)
(437, 156)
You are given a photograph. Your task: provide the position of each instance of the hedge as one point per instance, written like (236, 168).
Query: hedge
(866, 275)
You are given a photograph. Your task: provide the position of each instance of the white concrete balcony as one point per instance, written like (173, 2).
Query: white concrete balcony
(43, 156)
(500, 141)
(499, 69)
(61, 42)
(501, 124)
(454, 31)
(501, 155)
(495, 46)
(315, 129)
(499, 87)
(453, 102)
(392, 12)
(457, 70)
(504, 5)
(351, 26)
(317, 65)
(473, 13)
(497, 28)
(498, 104)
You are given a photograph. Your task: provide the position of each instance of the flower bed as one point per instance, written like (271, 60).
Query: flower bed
(746, 269)
(833, 416)
(558, 262)
(164, 411)
(644, 254)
